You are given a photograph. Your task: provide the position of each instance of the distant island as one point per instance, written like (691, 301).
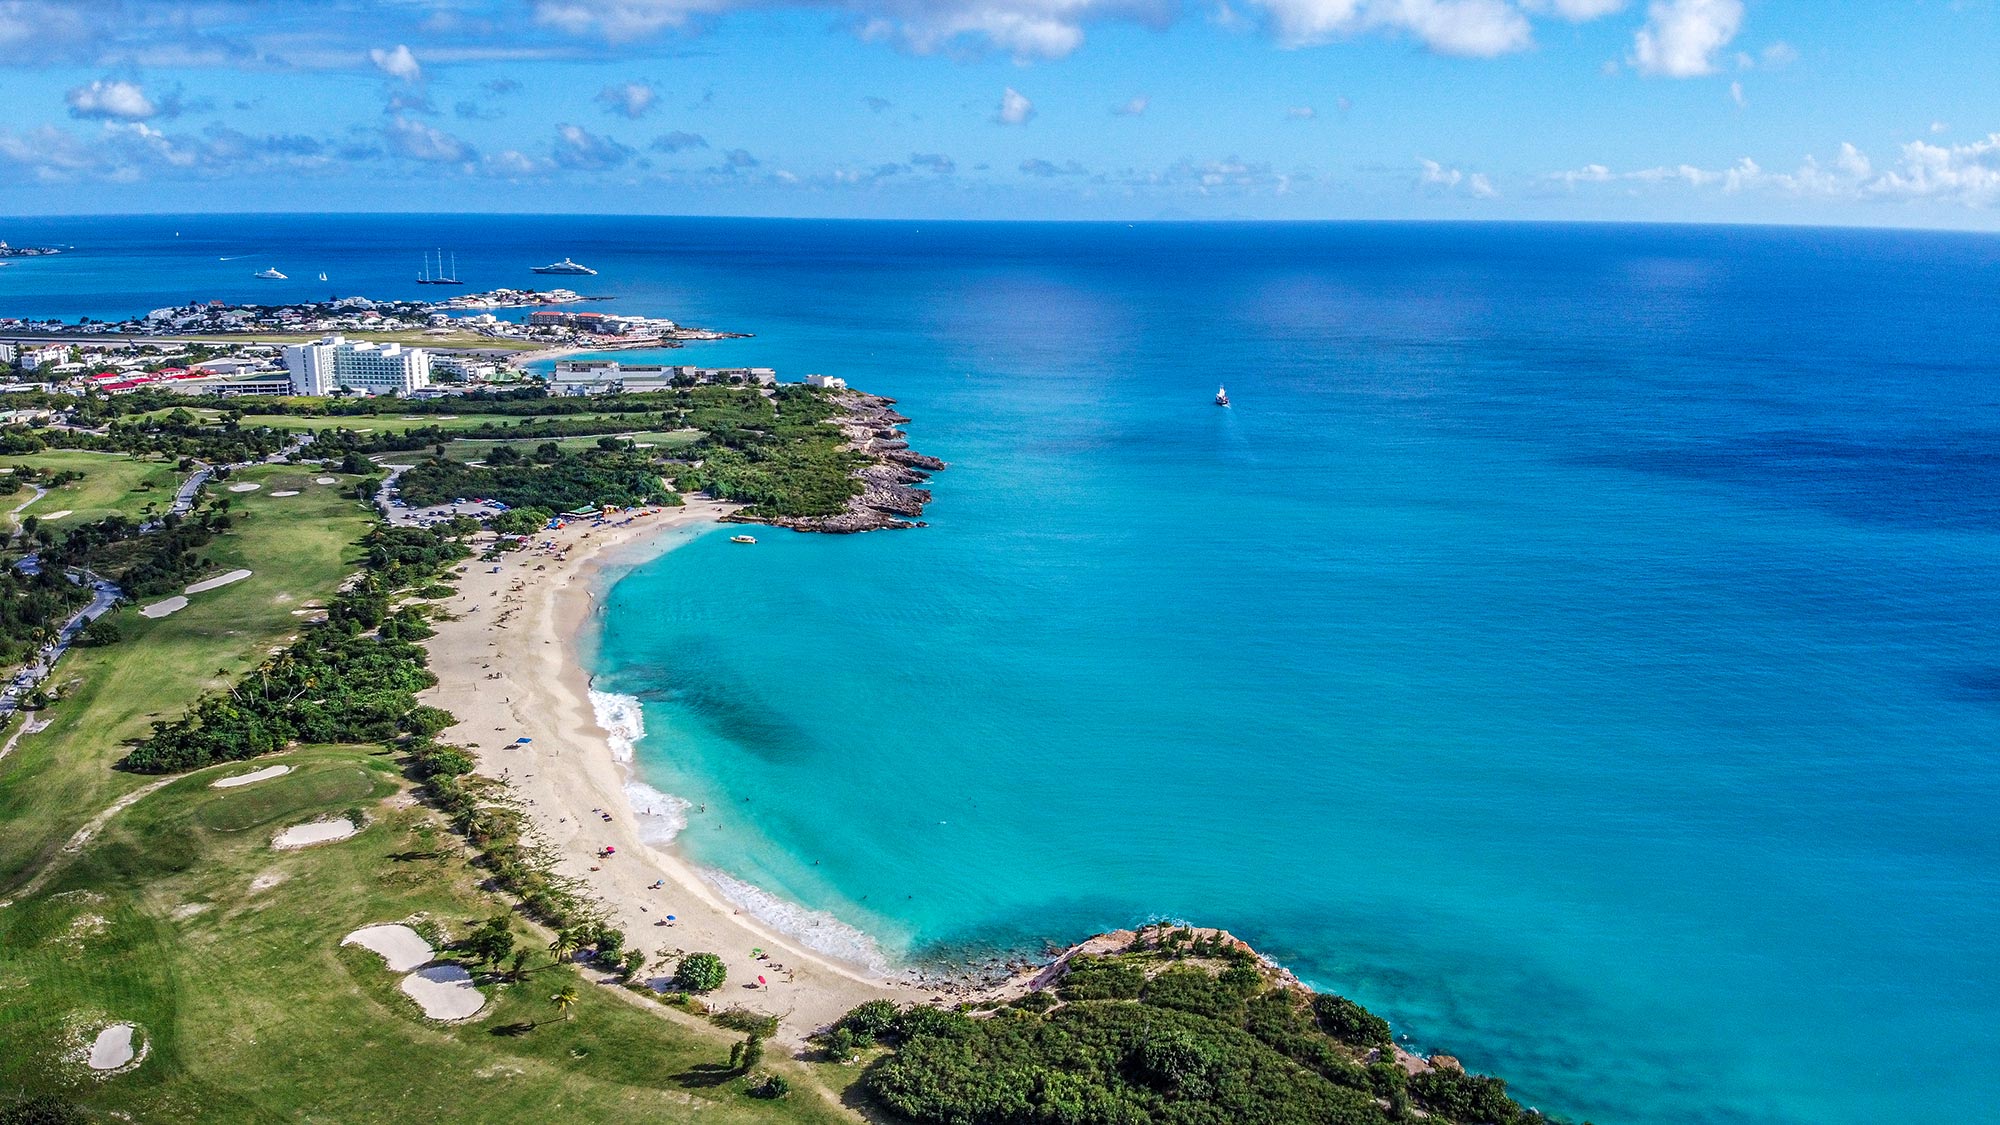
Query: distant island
(7, 251)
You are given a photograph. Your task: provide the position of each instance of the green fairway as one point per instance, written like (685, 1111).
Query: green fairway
(112, 484)
(665, 441)
(398, 423)
(298, 548)
(225, 954)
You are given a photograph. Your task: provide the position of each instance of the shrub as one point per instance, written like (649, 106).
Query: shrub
(101, 632)
(1464, 1097)
(700, 972)
(871, 1020)
(774, 1086)
(1350, 1022)
(1098, 978)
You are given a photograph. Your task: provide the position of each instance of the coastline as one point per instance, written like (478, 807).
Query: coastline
(509, 669)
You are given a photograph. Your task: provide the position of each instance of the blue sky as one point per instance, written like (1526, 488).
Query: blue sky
(1880, 113)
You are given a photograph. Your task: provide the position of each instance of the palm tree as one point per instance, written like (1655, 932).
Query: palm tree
(520, 971)
(563, 946)
(564, 999)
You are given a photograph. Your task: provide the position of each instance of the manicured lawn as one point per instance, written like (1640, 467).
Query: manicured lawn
(113, 483)
(226, 954)
(298, 548)
(398, 423)
(477, 449)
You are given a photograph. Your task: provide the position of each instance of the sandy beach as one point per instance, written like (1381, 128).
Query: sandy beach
(508, 668)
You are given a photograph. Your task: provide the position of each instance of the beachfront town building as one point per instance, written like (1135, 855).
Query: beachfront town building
(447, 367)
(830, 382)
(336, 363)
(35, 359)
(607, 376)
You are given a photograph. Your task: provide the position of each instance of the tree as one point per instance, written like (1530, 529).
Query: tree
(101, 632)
(563, 945)
(520, 970)
(700, 972)
(564, 999)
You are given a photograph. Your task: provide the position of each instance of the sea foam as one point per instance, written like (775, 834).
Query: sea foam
(814, 929)
(660, 816)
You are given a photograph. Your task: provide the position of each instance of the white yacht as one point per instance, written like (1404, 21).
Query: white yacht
(271, 274)
(564, 266)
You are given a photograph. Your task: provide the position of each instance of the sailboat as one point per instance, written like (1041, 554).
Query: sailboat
(1221, 396)
(441, 278)
(322, 275)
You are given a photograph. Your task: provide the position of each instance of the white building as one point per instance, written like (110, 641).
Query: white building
(34, 359)
(337, 363)
(466, 367)
(829, 382)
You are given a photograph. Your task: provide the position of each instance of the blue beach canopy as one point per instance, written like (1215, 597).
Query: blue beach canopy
(522, 741)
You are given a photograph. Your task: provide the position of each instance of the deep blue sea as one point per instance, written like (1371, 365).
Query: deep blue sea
(1580, 644)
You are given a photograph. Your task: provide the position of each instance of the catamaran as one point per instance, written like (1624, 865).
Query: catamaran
(1221, 396)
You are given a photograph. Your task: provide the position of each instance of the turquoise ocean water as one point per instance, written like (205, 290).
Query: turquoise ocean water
(1577, 643)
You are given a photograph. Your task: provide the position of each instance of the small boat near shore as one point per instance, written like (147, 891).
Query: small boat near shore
(1221, 396)
(743, 539)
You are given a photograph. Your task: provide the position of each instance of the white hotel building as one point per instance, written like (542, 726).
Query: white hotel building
(337, 363)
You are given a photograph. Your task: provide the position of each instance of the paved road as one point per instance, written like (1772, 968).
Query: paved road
(104, 593)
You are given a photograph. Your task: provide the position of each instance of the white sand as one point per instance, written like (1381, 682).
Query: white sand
(444, 992)
(286, 492)
(265, 774)
(160, 609)
(208, 584)
(318, 832)
(55, 515)
(112, 1048)
(569, 769)
(326, 480)
(245, 486)
(399, 946)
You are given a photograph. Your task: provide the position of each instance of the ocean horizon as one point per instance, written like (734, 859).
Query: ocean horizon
(1576, 642)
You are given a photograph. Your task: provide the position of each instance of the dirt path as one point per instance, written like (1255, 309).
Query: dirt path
(83, 835)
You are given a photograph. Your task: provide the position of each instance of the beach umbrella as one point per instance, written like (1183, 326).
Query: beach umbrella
(762, 981)
(522, 741)
(670, 917)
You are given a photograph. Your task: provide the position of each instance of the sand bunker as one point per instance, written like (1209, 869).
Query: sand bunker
(112, 1048)
(207, 584)
(399, 946)
(318, 832)
(55, 515)
(265, 774)
(326, 480)
(286, 492)
(245, 486)
(160, 609)
(444, 992)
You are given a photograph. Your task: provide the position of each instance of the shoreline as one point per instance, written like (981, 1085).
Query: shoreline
(510, 669)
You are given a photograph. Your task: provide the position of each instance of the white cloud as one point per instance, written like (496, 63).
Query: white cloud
(414, 140)
(581, 150)
(1301, 112)
(1966, 175)
(629, 99)
(110, 98)
(1439, 178)
(1736, 94)
(397, 62)
(1476, 28)
(1481, 187)
(1681, 37)
(1578, 10)
(1015, 108)
(1133, 108)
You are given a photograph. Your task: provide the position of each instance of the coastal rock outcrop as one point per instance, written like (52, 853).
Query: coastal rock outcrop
(887, 498)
